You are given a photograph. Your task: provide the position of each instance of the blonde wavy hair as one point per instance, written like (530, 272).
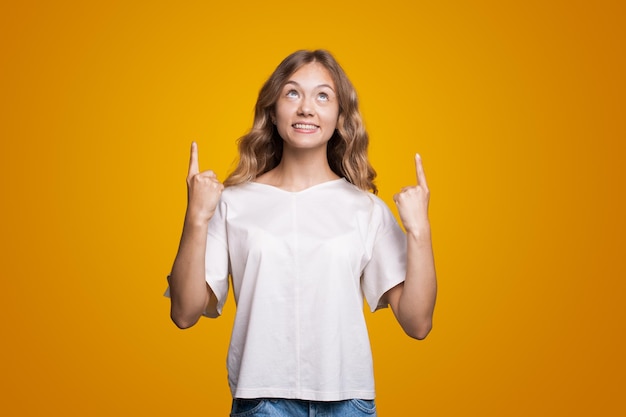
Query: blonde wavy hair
(260, 150)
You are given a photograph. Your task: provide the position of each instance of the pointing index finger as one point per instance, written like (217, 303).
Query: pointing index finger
(419, 171)
(193, 159)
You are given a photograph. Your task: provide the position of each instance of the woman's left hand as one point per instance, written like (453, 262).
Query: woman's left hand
(412, 202)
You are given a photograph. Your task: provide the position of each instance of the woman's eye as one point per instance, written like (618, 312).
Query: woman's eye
(292, 93)
(323, 97)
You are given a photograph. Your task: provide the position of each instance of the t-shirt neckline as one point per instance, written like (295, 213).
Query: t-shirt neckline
(312, 187)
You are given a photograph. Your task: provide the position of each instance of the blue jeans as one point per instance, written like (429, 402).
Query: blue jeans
(278, 407)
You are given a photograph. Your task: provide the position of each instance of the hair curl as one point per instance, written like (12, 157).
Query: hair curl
(261, 149)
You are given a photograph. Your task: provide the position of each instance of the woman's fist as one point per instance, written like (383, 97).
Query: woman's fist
(412, 202)
(203, 190)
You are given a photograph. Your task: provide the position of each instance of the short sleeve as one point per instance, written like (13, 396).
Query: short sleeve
(386, 267)
(216, 257)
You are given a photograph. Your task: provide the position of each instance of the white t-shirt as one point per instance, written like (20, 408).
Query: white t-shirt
(300, 264)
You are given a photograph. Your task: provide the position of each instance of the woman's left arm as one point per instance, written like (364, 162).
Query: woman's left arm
(413, 302)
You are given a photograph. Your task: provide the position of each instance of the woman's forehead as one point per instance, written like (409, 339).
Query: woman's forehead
(312, 74)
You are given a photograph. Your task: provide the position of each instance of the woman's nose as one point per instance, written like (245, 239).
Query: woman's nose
(306, 108)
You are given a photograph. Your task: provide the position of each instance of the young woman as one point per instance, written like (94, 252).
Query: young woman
(304, 240)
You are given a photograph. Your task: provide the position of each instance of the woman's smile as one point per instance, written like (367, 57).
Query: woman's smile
(305, 127)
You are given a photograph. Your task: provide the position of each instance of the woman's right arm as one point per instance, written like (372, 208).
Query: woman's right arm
(189, 293)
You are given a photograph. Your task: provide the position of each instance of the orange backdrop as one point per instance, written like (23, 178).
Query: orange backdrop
(517, 109)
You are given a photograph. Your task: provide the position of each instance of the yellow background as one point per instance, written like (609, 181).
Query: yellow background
(516, 107)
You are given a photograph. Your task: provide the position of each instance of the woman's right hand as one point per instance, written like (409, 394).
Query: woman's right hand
(203, 191)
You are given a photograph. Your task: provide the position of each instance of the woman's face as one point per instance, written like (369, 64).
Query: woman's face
(307, 108)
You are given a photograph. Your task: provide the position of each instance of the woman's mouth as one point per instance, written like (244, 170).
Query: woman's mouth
(304, 126)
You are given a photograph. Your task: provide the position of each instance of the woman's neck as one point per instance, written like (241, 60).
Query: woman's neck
(299, 170)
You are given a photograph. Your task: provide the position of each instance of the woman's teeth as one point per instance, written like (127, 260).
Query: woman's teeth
(304, 126)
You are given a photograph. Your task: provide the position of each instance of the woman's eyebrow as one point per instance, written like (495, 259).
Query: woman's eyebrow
(318, 86)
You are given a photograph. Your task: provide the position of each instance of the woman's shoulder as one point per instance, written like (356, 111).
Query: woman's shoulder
(236, 189)
(363, 199)
(357, 192)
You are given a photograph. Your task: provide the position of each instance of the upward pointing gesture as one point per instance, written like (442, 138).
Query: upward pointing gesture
(413, 302)
(203, 190)
(412, 202)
